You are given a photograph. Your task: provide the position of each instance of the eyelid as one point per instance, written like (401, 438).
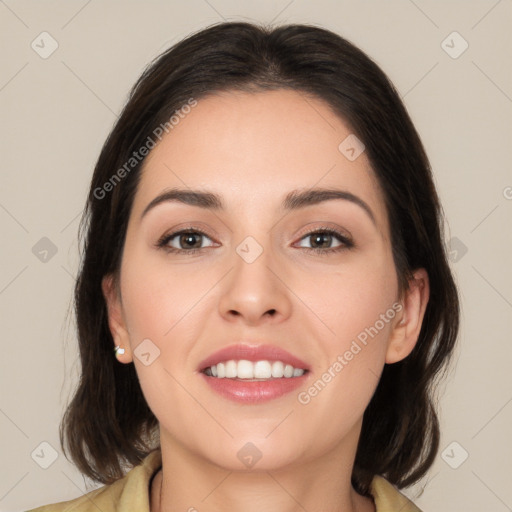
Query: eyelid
(342, 233)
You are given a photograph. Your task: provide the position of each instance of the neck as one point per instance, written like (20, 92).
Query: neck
(187, 482)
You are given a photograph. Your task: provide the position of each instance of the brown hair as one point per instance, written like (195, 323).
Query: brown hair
(108, 423)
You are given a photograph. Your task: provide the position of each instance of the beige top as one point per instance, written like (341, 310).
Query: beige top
(131, 493)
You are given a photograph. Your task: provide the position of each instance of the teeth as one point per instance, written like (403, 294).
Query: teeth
(244, 369)
(277, 369)
(231, 369)
(262, 370)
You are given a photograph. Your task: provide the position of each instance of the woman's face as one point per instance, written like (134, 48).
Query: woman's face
(258, 277)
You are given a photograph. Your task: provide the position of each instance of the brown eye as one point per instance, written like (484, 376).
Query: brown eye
(190, 240)
(325, 240)
(184, 241)
(321, 240)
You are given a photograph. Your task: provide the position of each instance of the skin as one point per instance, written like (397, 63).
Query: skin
(252, 149)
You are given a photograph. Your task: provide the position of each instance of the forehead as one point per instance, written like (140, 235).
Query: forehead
(253, 148)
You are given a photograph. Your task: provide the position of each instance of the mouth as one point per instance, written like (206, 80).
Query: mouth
(253, 374)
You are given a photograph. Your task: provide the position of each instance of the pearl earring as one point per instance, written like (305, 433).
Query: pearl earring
(118, 350)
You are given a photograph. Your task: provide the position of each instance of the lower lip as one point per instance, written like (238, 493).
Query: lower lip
(245, 391)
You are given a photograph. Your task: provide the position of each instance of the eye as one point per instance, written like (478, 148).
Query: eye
(185, 240)
(190, 241)
(325, 240)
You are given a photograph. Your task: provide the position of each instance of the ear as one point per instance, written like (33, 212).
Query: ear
(115, 318)
(407, 325)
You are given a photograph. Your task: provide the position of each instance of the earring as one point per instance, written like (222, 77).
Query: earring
(118, 350)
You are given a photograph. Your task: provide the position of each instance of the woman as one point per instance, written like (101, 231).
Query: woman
(264, 252)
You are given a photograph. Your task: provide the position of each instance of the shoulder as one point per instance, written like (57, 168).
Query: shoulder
(99, 498)
(128, 493)
(388, 498)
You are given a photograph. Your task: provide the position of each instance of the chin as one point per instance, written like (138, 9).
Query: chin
(253, 454)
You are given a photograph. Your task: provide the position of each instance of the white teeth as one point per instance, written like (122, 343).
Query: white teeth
(288, 370)
(277, 369)
(262, 370)
(244, 369)
(231, 370)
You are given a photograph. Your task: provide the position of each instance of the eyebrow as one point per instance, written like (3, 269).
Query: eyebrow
(294, 200)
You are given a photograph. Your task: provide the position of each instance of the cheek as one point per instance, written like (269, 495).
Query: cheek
(166, 307)
(357, 307)
(350, 299)
(345, 380)
(158, 302)
(365, 312)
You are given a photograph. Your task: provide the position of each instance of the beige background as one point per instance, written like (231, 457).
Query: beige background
(57, 111)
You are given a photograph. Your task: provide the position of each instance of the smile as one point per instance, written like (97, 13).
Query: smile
(262, 370)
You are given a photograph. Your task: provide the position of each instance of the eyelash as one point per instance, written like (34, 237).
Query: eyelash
(346, 242)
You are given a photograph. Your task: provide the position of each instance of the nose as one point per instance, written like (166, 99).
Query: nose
(255, 293)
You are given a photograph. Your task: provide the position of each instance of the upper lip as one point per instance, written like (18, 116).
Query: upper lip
(252, 353)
